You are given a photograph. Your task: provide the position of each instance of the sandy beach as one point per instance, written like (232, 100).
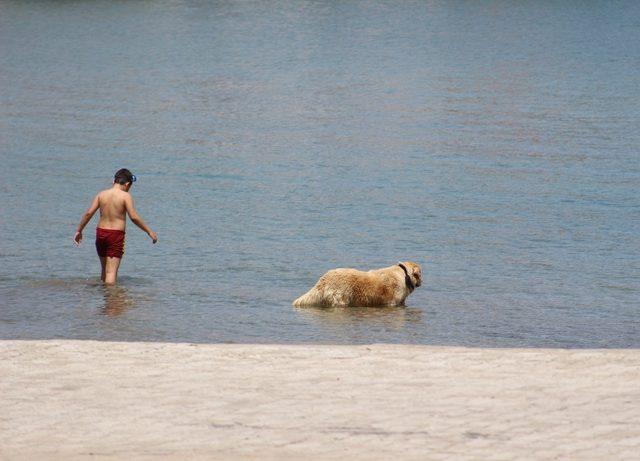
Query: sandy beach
(102, 400)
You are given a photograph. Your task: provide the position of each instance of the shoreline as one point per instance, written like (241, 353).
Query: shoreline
(77, 399)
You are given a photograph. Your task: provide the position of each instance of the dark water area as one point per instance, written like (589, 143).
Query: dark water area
(495, 143)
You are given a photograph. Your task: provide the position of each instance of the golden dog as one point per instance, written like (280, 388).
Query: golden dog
(389, 286)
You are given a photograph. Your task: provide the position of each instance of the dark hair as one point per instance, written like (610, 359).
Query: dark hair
(123, 176)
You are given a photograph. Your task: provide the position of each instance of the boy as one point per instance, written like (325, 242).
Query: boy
(114, 205)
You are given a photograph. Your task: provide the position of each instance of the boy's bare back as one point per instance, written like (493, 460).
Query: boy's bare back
(113, 209)
(114, 205)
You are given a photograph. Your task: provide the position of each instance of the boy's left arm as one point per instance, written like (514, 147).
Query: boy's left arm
(86, 217)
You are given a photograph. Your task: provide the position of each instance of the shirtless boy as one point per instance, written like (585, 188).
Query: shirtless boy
(114, 204)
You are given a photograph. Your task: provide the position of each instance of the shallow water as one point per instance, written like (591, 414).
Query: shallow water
(495, 143)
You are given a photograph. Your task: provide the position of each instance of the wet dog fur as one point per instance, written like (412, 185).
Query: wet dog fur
(388, 286)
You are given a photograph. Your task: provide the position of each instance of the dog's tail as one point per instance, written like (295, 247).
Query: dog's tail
(310, 298)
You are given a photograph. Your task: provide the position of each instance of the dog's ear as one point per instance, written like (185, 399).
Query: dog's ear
(416, 272)
(413, 268)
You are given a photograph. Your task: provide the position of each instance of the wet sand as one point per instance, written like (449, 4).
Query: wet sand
(100, 400)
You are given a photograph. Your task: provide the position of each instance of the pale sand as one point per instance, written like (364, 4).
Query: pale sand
(99, 400)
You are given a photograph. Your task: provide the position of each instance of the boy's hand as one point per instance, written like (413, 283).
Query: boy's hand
(153, 236)
(78, 238)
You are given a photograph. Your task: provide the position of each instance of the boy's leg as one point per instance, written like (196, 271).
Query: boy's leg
(103, 263)
(111, 270)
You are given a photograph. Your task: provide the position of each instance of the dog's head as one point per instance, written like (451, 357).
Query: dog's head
(414, 271)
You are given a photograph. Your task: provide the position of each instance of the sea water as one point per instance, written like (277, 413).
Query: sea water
(495, 143)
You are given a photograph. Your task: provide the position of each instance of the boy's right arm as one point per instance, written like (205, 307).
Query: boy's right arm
(137, 220)
(86, 217)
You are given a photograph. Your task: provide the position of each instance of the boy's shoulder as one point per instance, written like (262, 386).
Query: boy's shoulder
(111, 194)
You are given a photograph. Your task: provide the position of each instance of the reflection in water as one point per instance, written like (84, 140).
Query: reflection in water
(394, 318)
(116, 300)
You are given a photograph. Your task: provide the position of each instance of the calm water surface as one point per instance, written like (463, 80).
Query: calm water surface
(496, 143)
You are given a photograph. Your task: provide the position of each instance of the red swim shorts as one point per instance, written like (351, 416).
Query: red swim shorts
(109, 242)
